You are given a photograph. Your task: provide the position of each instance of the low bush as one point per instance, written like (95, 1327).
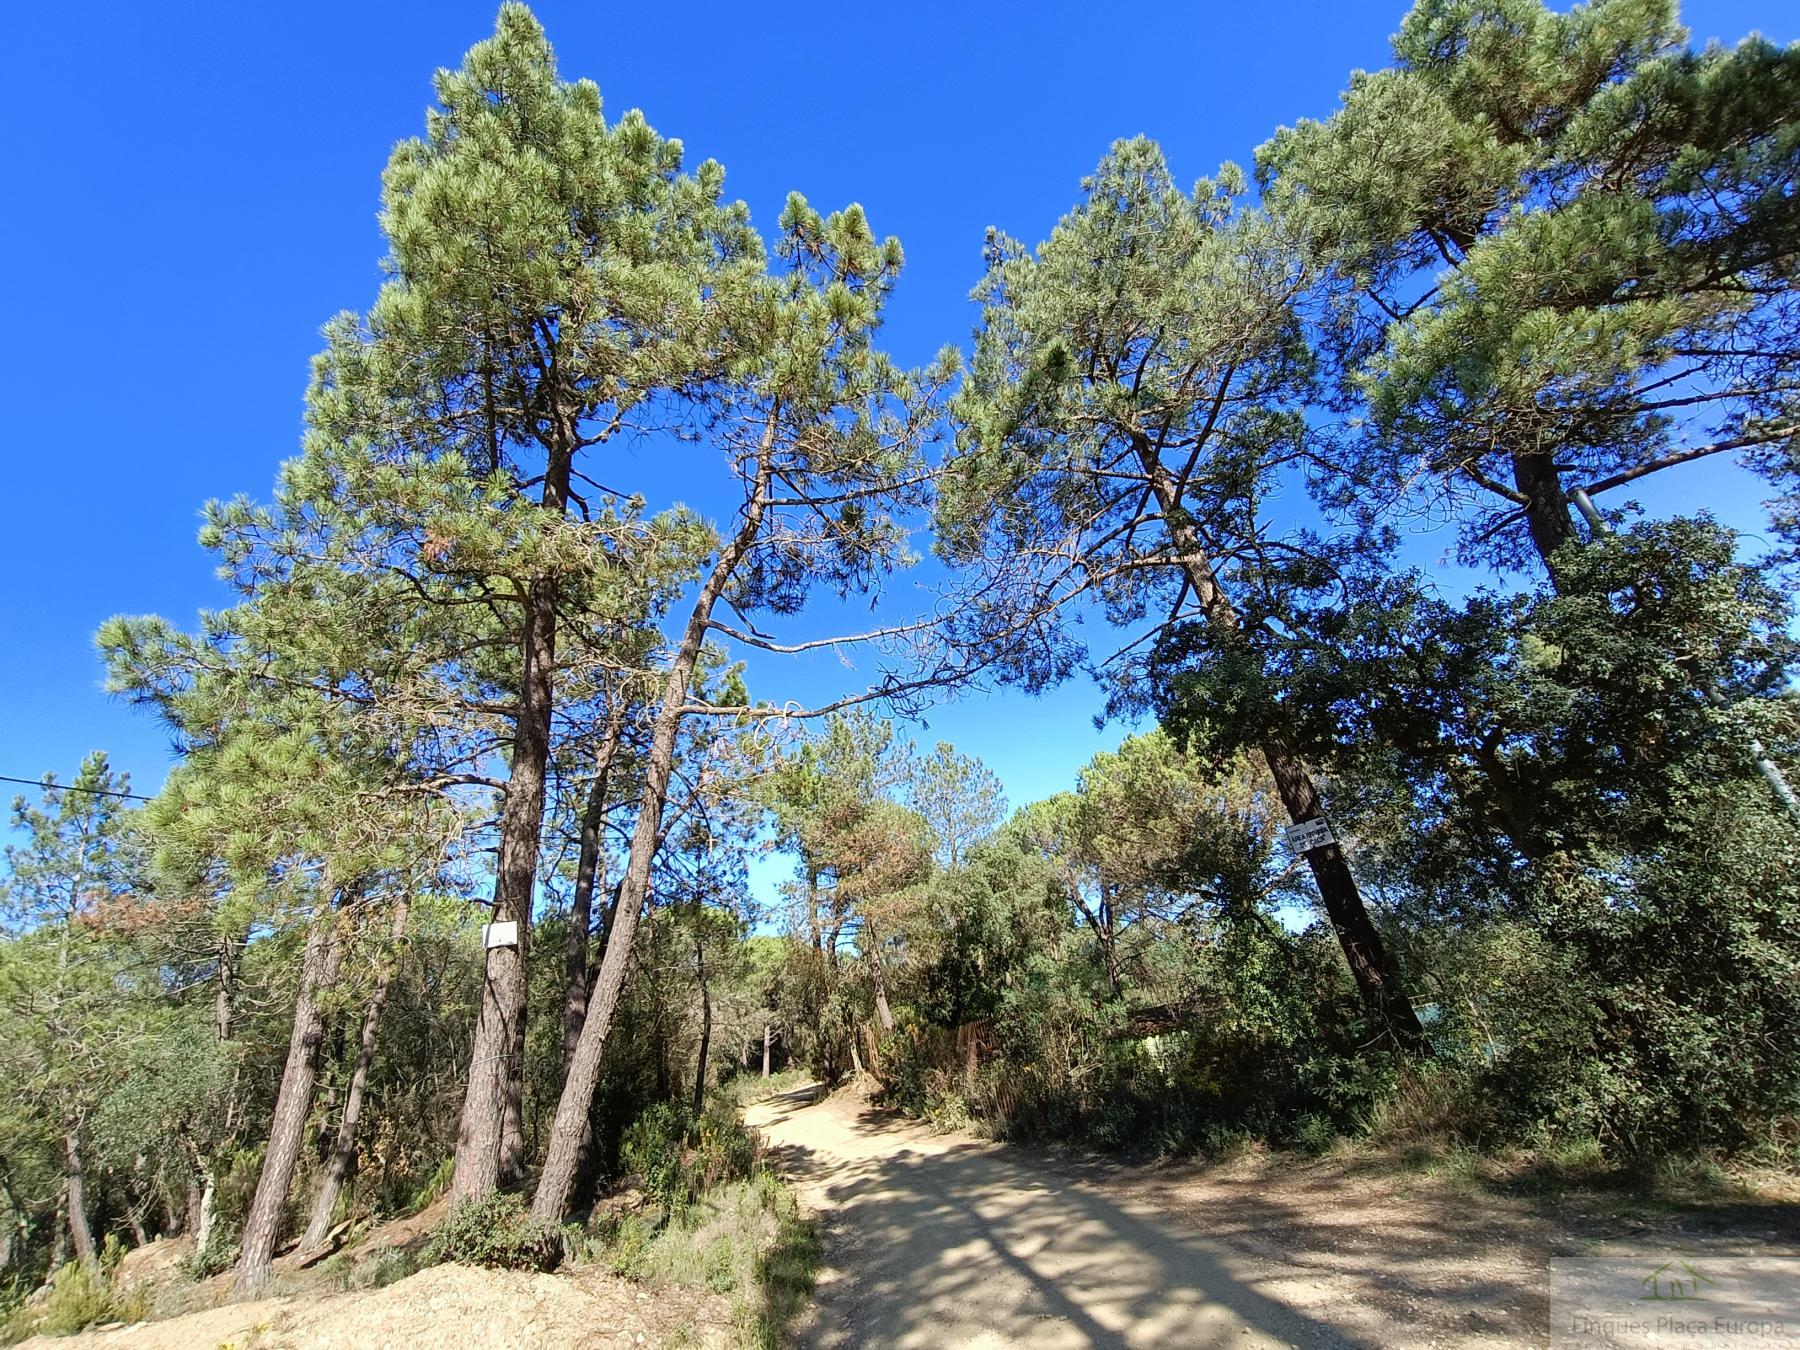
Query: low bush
(676, 1158)
(496, 1231)
(82, 1294)
(218, 1255)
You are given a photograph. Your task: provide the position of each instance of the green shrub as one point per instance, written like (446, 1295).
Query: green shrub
(19, 1324)
(1314, 1134)
(677, 1159)
(83, 1295)
(497, 1231)
(628, 1240)
(218, 1255)
(432, 1187)
(382, 1267)
(654, 1149)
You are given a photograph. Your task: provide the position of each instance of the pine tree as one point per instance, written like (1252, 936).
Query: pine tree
(1561, 247)
(1136, 392)
(554, 280)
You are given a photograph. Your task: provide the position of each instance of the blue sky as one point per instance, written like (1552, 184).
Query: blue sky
(195, 190)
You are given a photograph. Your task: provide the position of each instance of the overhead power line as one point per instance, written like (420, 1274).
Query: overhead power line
(69, 787)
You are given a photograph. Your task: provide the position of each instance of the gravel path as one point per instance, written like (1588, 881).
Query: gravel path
(939, 1240)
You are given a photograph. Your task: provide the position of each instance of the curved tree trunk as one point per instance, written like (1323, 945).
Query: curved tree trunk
(587, 877)
(262, 1225)
(1377, 977)
(564, 1150)
(343, 1152)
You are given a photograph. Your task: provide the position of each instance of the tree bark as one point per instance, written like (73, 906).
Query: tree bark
(587, 872)
(343, 1152)
(490, 1141)
(1547, 505)
(563, 1153)
(705, 1026)
(225, 998)
(1370, 964)
(59, 1243)
(262, 1225)
(1377, 978)
(765, 1049)
(75, 1192)
(882, 1011)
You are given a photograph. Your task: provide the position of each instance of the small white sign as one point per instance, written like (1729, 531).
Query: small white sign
(500, 935)
(1309, 834)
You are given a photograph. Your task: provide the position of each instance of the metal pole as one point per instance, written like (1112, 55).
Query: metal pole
(1768, 768)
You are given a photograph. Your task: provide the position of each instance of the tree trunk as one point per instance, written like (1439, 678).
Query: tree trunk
(262, 1225)
(587, 873)
(343, 1152)
(1377, 978)
(490, 1140)
(75, 1191)
(563, 1153)
(705, 1027)
(225, 998)
(882, 1011)
(765, 1049)
(202, 1197)
(1363, 948)
(59, 1243)
(1547, 505)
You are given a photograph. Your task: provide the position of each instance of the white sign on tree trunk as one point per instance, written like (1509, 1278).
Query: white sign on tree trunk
(1309, 834)
(500, 935)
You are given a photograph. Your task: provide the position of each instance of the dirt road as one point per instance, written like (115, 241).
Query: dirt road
(940, 1240)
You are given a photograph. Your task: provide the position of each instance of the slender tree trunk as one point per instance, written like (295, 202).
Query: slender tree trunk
(563, 1153)
(882, 1011)
(225, 998)
(202, 1195)
(490, 1141)
(209, 1211)
(1363, 948)
(75, 1191)
(587, 872)
(1377, 978)
(262, 1225)
(59, 1243)
(765, 1049)
(705, 1027)
(343, 1152)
